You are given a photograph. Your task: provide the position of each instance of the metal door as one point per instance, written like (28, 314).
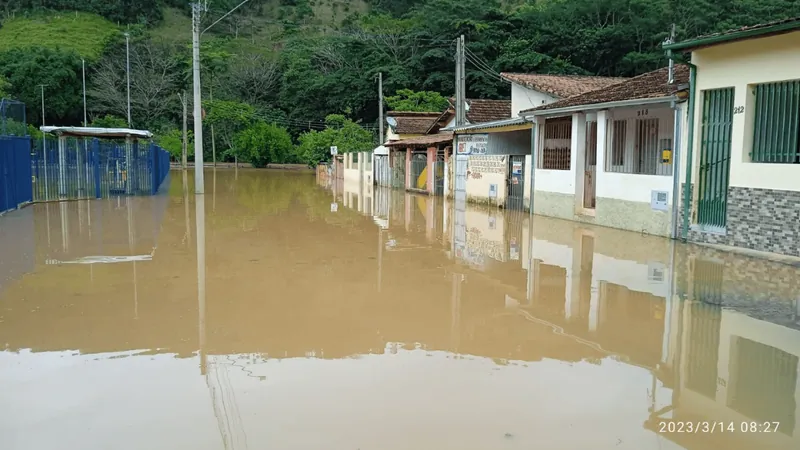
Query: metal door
(382, 175)
(399, 170)
(460, 206)
(715, 157)
(590, 166)
(438, 175)
(516, 182)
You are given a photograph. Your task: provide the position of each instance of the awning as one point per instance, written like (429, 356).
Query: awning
(382, 150)
(512, 122)
(422, 141)
(97, 132)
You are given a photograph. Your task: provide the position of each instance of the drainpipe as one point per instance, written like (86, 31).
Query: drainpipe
(676, 168)
(690, 150)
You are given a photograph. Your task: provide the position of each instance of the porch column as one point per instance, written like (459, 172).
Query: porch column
(431, 161)
(408, 168)
(603, 134)
(578, 156)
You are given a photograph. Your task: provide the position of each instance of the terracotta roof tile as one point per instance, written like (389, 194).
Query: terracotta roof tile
(422, 141)
(483, 110)
(562, 86)
(648, 85)
(413, 122)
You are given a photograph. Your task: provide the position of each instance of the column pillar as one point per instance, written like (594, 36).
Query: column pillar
(578, 156)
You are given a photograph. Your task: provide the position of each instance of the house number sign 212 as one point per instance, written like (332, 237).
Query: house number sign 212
(738, 110)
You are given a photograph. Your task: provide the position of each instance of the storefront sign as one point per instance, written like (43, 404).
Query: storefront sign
(472, 144)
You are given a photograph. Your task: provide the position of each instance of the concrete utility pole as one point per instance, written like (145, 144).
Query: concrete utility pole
(460, 82)
(669, 54)
(44, 149)
(128, 72)
(380, 108)
(199, 182)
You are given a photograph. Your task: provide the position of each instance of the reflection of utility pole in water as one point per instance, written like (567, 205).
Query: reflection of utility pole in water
(200, 233)
(380, 257)
(214, 193)
(64, 226)
(455, 312)
(131, 240)
(188, 237)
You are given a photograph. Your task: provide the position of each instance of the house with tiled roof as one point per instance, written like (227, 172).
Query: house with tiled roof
(740, 185)
(496, 153)
(606, 156)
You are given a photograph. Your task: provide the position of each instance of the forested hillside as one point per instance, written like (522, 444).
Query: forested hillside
(292, 63)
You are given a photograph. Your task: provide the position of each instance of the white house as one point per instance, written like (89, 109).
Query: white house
(605, 156)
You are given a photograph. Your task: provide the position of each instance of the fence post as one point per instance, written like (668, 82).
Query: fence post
(155, 166)
(96, 167)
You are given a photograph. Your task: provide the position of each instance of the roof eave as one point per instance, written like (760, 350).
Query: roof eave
(595, 106)
(694, 44)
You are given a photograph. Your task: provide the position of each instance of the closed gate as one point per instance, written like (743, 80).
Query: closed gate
(715, 157)
(15, 172)
(399, 170)
(590, 167)
(516, 182)
(382, 173)
(419, 171)
(438, 175)
(460, 206)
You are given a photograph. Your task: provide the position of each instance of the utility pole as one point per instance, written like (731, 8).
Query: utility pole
(85, 121)
(199, 182)
(669, 54)
(128, 72)
(382, 138)
(44, 149)
(185, 147)
(460, 82)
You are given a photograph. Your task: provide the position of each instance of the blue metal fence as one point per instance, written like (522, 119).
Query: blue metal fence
(15, 172)
(77, 168)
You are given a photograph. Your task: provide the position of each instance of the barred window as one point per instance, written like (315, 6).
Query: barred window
(557, 148)
(776, 123)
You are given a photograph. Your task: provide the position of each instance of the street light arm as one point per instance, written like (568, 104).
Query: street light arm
(226, 15)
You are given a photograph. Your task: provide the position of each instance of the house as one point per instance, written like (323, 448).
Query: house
(419, 146)
(496, 154)
(743, 153)
(605, 156)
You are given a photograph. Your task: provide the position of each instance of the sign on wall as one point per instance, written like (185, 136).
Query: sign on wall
(472, 144)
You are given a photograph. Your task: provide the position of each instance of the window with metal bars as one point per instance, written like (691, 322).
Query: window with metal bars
(776, 123)
(557, 148)
(645, 156)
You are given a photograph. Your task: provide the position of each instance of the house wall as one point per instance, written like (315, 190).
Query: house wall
(762, 198)
(623, 200)
(352, 169)
(484, 171)
(523, 98)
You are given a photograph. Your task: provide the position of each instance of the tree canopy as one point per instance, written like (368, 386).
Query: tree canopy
(295, 64)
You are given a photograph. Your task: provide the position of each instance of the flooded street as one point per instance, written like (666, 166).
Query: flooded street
(311, 317)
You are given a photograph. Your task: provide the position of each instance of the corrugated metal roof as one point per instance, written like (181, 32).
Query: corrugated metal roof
(97, 132)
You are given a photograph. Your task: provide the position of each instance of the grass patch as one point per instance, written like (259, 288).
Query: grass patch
(87, 34)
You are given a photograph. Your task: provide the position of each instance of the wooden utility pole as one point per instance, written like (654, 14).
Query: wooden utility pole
(185, 146)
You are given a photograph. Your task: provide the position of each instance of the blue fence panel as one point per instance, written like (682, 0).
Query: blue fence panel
(92, 168)
(15, 172)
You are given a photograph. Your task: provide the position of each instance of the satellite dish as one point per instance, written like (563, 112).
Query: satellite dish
(392, 122)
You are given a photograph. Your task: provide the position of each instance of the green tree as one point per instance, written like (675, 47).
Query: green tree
(345, 134)
(110, 121)
(59, 71)
(425, 101)
(5, 87)
(228, 119)
(261, 144)
(171, 140)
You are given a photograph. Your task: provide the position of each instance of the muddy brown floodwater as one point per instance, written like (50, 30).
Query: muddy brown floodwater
(352, 317)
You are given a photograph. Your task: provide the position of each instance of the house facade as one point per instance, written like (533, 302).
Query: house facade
(606, 156)
(495, 156)
(743, 165)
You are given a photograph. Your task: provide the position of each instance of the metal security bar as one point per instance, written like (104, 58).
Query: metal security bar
(619, 142)
(715, 157)
(703, 351)
(557, 149)
(419, 164)
(645, 156)
(776, 124)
